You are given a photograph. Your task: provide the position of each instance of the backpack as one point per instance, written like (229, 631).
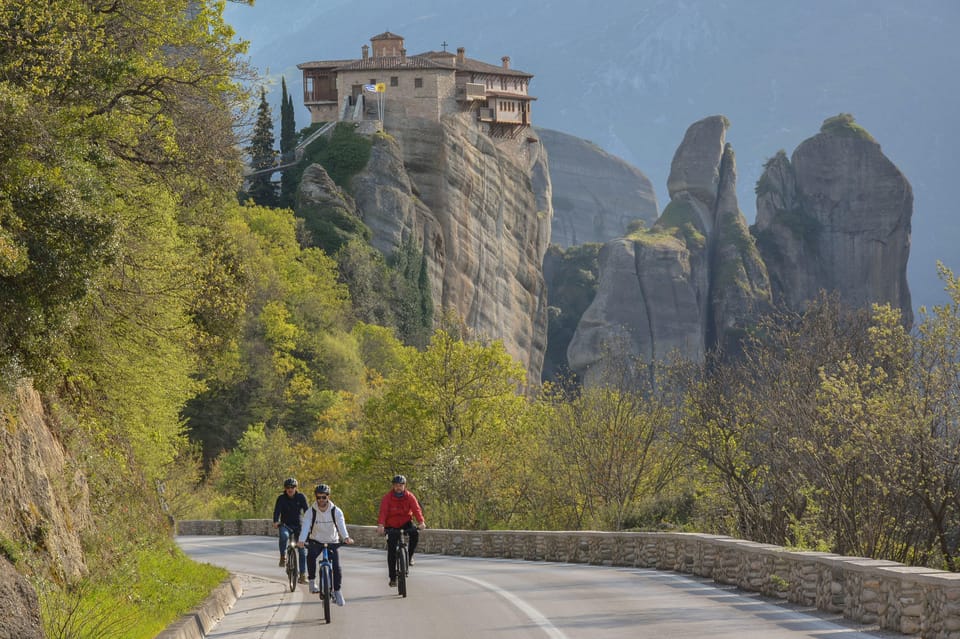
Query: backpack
(333, 514)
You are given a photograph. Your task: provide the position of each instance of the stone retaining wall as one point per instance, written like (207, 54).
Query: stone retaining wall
(910, 600)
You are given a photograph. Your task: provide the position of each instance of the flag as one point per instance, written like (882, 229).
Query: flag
(370, 88)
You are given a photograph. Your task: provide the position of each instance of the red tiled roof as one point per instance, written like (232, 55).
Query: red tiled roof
(471, 65)
(391, 62)
(323, 64)
(426, 60)
(386, 35)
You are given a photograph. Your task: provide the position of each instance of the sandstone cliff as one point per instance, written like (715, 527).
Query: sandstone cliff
(479, 207)
(595, 195)
(836, 216)
(694, 281)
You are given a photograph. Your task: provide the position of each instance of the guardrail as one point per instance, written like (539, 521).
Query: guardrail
(906, 599)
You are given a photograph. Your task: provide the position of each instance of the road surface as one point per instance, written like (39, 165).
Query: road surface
(508, 599)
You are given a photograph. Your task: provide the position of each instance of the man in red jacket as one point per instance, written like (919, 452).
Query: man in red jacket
(398, 510)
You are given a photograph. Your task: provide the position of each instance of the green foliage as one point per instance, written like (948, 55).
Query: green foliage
(344, 154)
(288, 143)
(446, 418)
(150, 588)
(571, 275)
(679, 220)
(394, 292)
(252, 471)
(763, 185)
(803, 226)
(292, 346)
(843, 124)
(262, 190)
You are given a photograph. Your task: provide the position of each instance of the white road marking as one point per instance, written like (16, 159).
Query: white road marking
(532, 613)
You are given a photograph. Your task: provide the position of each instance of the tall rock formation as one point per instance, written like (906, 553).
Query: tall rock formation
(480, 209)
(694, 281)
(595, 195)
(836, 216)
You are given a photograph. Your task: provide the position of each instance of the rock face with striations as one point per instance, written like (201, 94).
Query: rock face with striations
(44, 507)
(595, 195)
(694, 281)
(836, 216)
(480, 208)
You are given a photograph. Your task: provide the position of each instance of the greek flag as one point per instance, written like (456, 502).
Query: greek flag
(370, 88)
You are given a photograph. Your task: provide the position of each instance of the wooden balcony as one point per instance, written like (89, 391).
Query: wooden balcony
(471, 91)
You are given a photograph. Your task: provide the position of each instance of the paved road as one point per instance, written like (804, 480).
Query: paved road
(476, 598)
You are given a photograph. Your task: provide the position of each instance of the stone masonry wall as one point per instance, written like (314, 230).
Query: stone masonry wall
(906, 599)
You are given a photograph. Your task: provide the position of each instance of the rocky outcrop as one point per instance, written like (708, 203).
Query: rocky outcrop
(480, 208)
(595, 195)
(836, 216)
(694, 281)
(19, 609)
(44, 508)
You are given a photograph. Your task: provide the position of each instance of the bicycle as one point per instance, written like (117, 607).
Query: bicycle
(402, 565)
(293, 563)
(325, 579)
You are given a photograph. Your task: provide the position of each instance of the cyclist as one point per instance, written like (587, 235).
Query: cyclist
(290, 506)
(399, 509)
(324, 524)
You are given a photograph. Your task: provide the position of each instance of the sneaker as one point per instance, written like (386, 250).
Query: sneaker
(337, 598)
(283, 561)
(313, 586)
(393, 583)
(411, 562)
(303, 579)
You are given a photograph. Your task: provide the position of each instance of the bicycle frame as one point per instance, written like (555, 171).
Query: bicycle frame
(293, 558)
(325, 579)
(402, 564)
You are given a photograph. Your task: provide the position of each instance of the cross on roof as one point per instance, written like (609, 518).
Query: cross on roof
(444, 45)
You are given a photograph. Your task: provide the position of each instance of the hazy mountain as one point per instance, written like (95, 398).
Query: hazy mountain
(632, 75)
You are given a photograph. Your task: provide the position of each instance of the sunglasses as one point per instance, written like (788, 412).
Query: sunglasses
(322, 496)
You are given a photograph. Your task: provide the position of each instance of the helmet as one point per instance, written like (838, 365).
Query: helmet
(321, 488)
(398, 479)
(289, 482)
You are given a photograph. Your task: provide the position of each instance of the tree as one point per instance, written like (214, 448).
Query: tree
(263, 157)
(288, 143)
(453, 418)
(613, 440)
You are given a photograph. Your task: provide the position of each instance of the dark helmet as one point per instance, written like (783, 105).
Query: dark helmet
(321, 489)
(399, 479)
(289, 482)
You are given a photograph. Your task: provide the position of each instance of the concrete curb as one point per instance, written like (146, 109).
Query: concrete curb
(199, 621)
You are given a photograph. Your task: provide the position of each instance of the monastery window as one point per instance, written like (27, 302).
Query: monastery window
(394, 81)
(418, 83)
(309, 84)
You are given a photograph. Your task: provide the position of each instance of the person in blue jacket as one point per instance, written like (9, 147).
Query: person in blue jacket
(287, 515)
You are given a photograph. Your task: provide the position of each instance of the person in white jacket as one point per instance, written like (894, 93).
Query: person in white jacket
(323, 523)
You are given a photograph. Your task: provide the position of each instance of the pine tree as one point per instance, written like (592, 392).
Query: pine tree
(262, 155)
(288, 143)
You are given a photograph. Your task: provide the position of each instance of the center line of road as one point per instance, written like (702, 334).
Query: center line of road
(535, 616)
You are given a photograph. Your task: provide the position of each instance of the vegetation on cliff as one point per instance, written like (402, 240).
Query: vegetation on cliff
(192, 351)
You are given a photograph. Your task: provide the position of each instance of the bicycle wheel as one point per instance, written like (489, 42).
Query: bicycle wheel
(326, 591)
(293, 568)
(402, 571)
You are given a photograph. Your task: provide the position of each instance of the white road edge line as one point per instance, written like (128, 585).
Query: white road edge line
(532, 613)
